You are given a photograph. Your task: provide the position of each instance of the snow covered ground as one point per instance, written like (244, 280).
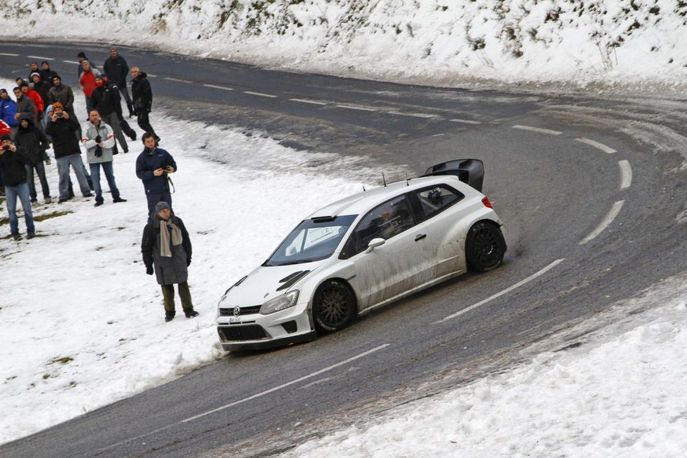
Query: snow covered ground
(76, 304)
(592, 43)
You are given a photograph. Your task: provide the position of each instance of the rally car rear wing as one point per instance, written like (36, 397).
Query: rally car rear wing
(470, 171)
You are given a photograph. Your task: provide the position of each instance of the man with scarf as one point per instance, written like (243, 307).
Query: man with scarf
(153, 167)
(166, 249)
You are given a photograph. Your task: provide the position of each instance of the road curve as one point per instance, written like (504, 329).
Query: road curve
(590, 191)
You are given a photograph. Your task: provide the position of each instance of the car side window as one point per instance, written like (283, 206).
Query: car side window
(436, 199)
(384, 221)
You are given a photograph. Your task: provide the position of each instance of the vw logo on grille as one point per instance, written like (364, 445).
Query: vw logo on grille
(237, 311)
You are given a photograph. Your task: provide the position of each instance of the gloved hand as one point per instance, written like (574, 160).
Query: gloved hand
(149, 270)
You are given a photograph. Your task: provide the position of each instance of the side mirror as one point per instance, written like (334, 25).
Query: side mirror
(374, 243)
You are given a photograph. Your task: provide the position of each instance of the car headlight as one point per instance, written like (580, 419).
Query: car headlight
(280, 303)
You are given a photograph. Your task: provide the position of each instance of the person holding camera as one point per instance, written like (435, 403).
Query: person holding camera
(153, 167)
(13, 169)
(166, 249)
(62, 128)
(99, 142)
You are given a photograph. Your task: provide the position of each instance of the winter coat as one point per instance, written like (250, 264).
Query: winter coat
(89, 133)
(8, 108)
(87, 81)
(42, 88)
(36, 99)
(63, 133)
(147, 162)
(168, 270)
(106, 100)
(4, 129)
(32, 141)
(26, 108)
(47, 75)
(116, 70)
(13, 167)
(62, 94)
(141, 93)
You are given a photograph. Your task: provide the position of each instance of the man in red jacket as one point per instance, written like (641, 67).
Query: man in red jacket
(87, 82)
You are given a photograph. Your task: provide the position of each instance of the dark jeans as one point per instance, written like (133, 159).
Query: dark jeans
(144, 122)
(184, 294)
(22, 192)
(127, 97)
(155, 198)
(40, 171)
(109, 175)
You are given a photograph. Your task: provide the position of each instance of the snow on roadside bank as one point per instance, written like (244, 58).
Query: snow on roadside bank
(82, 325)
(621, 394)
(438, 42)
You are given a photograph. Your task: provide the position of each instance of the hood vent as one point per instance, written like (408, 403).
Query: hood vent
(291, 279)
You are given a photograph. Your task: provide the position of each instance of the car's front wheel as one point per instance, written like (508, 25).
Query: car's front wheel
(484, 247)
(333, 306)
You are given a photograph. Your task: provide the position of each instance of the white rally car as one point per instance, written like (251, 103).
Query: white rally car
(362, 252)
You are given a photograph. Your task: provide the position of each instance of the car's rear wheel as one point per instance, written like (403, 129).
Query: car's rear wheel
(333, 306)
(484, 247)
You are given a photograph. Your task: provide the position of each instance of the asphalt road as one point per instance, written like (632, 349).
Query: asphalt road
(590, 190)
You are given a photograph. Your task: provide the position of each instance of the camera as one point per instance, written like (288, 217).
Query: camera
(5, 148)
(98, 139)
(59, 115)
(98, 151)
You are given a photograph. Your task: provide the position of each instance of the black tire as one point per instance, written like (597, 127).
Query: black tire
(484, 247)
(333, 307)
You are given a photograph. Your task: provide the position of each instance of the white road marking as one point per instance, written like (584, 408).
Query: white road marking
(413, 115)
(8, 54)
(311, 102)
(605, 222)
(178, 80)
(41, 57)
(538, 130)
(625, 174)
(224, 88)
(260, 94)
(287, 384)
(249, 398)
(465, 121)
(355, 107)
(71, 62)
(505, 291)
(597, 145)
(150, 75)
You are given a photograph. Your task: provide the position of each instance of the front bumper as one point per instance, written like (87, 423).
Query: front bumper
(256, 331)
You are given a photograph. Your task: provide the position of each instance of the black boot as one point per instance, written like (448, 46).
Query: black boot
(169, 316)
(190, 313)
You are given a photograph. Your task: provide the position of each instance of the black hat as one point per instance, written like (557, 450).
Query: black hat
(81, 54)
(5, 137)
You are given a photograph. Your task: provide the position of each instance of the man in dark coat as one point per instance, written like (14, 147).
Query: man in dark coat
(25, 106)
(13, 164)
(143, 100)
(106, 101)
(153, 167)
(46, 72)
(62, 128)
(116, 69)
(33, 142)
(166, 249)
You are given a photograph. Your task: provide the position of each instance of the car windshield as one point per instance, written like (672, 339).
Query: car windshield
(312, 240)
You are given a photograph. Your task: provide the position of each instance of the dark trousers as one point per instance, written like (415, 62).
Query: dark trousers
(184, 294)
(144, 122)
(127, 97)
(155, 198)
(40, 171)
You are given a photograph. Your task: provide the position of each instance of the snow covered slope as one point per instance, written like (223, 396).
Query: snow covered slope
(430, 41)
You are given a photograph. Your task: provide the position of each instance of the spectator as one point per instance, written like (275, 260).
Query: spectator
(143, 100)
(99, 142)
(166, 249)
(106, 101)
(35, 98)
(87, 82)
(25, 106)
(62, 128)
(62, 93)
(33, 142)
(116, 69)
(81, 56)
(153, 166)
(33, 68)
(40, 86)
(8, 110)
(13, 164)
(47, 74)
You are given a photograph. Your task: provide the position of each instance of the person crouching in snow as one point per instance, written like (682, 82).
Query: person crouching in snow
(166, 246)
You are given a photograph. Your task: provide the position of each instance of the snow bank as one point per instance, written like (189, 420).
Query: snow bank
(430, 42)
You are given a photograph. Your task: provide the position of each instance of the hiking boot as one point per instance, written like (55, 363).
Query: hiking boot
(169, 317)
(16, 237)
(190, 313)
(30, 235)
(47, 200)
(97, 204)
(90, 194)
(59, 201)
(118, 199)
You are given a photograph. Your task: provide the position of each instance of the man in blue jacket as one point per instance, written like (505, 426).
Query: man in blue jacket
(8, 110)
(153, 167)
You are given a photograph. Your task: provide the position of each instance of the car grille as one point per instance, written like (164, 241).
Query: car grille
(251, 332)
(223, 311)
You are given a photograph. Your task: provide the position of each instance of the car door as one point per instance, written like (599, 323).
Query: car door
(390, 269)
(440, 210)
